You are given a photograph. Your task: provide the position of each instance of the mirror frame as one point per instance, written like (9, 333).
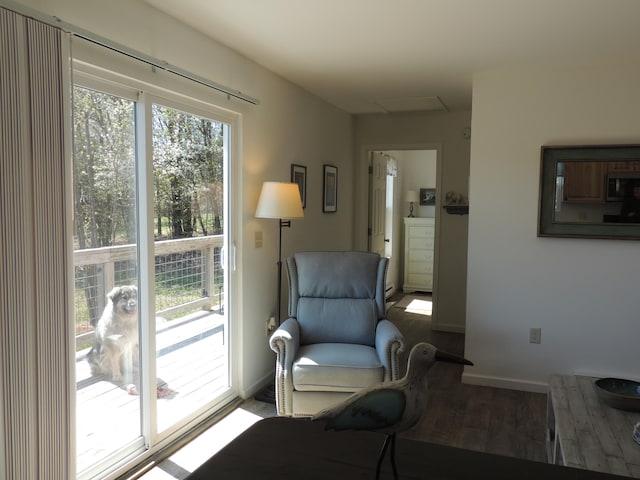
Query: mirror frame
(550, 157)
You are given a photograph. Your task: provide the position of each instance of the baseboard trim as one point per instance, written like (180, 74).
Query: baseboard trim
(501, 382)
(251, 390)
(389, 290)
(447, 327)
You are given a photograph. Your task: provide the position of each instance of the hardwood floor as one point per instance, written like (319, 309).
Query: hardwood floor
(485, 419)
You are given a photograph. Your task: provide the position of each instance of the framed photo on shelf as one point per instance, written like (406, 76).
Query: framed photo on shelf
(330, 189)
(299, 176)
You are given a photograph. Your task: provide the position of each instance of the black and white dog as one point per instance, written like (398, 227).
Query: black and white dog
(115, 343)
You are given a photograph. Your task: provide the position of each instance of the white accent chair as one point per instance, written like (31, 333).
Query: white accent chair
(337, 339)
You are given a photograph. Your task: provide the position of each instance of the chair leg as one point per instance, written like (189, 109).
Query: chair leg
(381, 455)
(393, 456)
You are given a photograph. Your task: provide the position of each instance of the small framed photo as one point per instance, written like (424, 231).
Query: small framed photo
(299, 176)
(427, 196)
(330, 189)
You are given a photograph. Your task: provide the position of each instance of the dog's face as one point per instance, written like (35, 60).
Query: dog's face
(125, 300)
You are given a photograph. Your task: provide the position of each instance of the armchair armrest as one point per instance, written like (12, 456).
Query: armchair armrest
(285, 341)
(389, 345)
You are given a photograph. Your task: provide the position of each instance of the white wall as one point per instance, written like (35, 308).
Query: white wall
(419, 131)
(289, 126)
(418, 170)
(583, 293)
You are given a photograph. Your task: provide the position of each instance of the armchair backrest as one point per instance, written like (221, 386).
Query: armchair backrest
(337, 297)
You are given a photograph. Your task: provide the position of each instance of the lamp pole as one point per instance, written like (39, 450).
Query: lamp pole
(283, 223)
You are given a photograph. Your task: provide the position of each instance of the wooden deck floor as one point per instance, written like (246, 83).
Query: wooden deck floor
(191, 360)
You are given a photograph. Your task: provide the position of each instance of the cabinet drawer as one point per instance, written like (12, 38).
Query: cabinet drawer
(421, 256)
(420, 232)
(421, 243)
(424, 281)
(420, 267)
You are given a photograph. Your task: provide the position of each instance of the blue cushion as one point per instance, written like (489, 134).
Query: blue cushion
(339, 320)
(337, 296)
(336, 367)
(337, 274)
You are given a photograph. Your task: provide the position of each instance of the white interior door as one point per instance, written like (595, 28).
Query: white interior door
(378, 202)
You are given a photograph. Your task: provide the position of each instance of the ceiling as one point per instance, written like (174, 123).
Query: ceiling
(369, 56)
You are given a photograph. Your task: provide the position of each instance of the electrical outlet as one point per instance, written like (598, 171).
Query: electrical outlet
(258, 239)
(535, 335)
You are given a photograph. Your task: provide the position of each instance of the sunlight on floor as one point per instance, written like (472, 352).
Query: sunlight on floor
(190, 457)
(420, 307)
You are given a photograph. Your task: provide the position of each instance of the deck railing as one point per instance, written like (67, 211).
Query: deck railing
(188, 276)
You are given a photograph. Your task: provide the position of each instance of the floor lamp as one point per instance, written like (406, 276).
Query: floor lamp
(280, 200)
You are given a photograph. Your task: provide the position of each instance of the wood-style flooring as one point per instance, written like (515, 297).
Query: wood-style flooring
(486, 419)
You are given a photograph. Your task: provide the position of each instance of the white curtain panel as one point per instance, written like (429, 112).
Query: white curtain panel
(392, 166)
(35, 345)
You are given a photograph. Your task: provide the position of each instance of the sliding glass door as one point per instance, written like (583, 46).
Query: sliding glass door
(106, 276)
(188, 181)
(151, 287)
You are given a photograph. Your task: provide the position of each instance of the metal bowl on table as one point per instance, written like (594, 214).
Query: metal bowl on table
(619, 393)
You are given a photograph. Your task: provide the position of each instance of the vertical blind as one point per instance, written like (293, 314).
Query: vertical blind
(35, 438)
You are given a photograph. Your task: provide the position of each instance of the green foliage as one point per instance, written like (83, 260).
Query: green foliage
(103, 168)
(188, 173)
(188, 160)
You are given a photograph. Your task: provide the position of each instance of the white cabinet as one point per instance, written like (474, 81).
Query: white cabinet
(418, 254)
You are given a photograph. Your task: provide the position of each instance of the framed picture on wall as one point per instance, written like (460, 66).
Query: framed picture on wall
(330, 189)
(427, 196)
(299, 176)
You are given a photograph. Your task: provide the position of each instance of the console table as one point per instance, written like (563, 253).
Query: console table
(584, 432)
(286, 448)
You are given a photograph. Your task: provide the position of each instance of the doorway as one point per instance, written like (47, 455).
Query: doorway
(392, 173)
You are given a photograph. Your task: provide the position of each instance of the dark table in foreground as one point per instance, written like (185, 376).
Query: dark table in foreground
(284, 448)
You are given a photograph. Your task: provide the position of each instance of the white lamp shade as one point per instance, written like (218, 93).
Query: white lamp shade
(411, 196)
(279, 200)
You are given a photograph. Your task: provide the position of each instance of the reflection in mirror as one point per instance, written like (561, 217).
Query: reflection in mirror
(597, 192)
(590, 191)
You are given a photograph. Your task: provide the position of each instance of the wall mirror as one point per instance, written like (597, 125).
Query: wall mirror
(590, 191)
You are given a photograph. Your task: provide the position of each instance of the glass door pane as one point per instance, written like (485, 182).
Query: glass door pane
(108, 410)
(189, 153)
(179, 270)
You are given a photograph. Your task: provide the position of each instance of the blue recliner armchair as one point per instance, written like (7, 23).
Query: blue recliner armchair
(337, 339)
